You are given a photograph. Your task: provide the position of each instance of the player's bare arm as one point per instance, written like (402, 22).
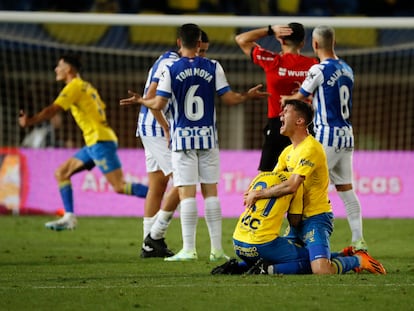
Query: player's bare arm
(247, 40)
(162, 120)
(287, 187)
(294, 219)
(296, 96)
(132, 100)
(45, 114)
(256, 93)
(158, 115)
(156, 103)
(234, 98)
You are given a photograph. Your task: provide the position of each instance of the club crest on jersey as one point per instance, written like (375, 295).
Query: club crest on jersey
(310, 76)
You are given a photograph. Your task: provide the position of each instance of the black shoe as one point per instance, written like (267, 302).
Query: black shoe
(155, 248)
(149, 252)
(260, 267)
(229, 267)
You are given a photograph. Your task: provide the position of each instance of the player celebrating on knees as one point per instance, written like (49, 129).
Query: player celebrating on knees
(256, 238)
(257, 241)
(306, 160)
(192, 83)
(331, 83)
(88, 110)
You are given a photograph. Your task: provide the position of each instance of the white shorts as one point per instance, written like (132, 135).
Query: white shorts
(340, 165)
(157, 154)
(191, 167)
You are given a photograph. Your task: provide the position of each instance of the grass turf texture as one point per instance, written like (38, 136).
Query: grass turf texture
(97, 267)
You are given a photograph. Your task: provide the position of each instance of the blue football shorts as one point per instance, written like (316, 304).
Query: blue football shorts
(102, 154)
(280, 250)
(315, 233)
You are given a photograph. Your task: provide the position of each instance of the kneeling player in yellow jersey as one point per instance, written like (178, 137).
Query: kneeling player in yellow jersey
(88, 110)
(257, 239)
(306, 161)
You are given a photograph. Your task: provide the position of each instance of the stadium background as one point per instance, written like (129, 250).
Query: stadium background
(117, 55)
(116, 58)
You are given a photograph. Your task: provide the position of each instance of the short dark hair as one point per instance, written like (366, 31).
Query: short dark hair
(204, 37)
(305, 110)
(298, 34)
(189, 34)
(72, 59)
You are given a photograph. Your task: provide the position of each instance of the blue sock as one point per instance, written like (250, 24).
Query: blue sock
(299, 267)
(243, 266)
(345, 264)
(336, 254)
(138, 190)
(66, 193)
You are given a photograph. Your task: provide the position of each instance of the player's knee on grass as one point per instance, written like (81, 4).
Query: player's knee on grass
(322, 266)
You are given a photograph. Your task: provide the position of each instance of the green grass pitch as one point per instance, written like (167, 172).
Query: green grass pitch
(97, 267)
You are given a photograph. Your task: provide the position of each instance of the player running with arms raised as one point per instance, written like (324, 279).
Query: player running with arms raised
(88, 110)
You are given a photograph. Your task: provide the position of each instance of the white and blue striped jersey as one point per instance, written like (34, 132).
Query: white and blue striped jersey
(191, 84)
(331, 83)
(147, 125)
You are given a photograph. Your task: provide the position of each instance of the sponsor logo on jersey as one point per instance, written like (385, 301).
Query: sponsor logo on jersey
(305, 162)
(194, 131)
(259, 57)
(283, 72)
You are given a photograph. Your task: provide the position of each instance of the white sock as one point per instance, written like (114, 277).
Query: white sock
(67, 216)
(147, 224)
(271, 269)
(189, 218)
(160, 226)
(353, 212)
(213, 218)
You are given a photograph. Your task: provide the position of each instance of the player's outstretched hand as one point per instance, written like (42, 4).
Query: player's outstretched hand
(130, 100)
(22, 118)
(256, 93)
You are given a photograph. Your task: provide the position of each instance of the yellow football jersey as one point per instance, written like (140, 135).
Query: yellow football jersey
(262, 222)
(308, 159)
(87, 109)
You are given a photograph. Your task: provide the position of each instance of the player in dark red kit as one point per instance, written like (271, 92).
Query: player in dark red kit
(285, 71)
